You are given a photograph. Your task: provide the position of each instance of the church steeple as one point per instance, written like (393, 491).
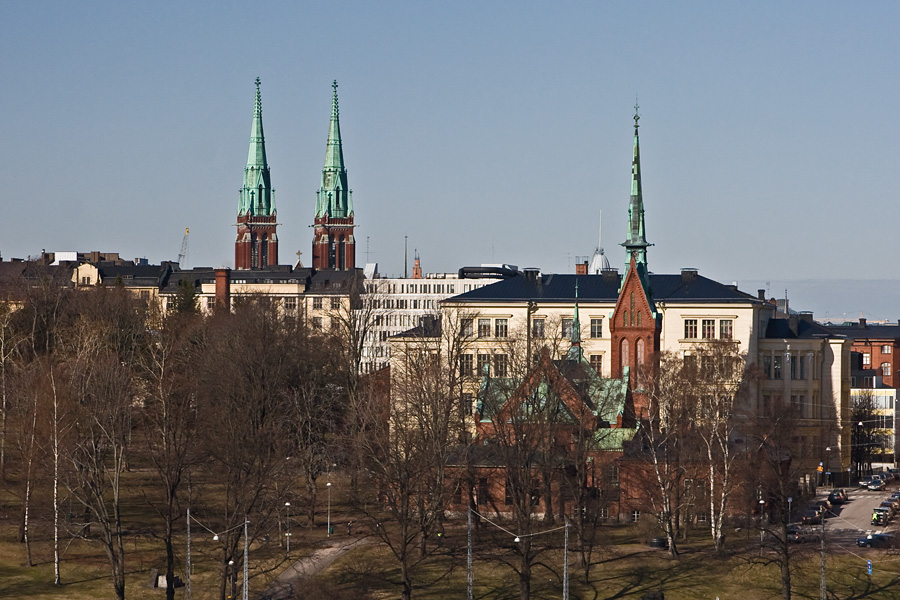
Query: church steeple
(257, 244)
(636, 242)
(333, 243)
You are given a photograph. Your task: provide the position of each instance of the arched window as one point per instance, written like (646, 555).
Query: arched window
(885, 369)
(264, 251)
(254, 251)
(625, 352)
(625, 318)
(639, 318)
(639, 350)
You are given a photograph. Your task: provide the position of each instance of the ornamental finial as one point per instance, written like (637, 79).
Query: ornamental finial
(637, 117)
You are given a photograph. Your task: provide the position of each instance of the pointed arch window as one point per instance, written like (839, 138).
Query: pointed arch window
(254, 251)
(632, 308)
(625, 318)
(639, 313)
(624, 353)
(264, 251)
(639, 350)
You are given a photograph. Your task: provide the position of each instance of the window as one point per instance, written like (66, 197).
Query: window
(466, 364)
(597, 363)
(639, 348)
(484, 496)
(596, 328)
(625, 318)
(484, 328)
(776, 367)
(886, 349)
(635, 516)
(145, 295)
(867, 359)
(335, 303)
(210, 302)
(465, 404)
(317, 304)
(484, 364)
(501, 327)
(625, 354)
(726, 329)
(290, 303)
(500, 365)
(508, 496)
(885, 369)
(802, 368)
(690, 329)
(567, 325)
(603, 513)
(317, 322)
(709, 329)
(701, 517)
(639, 313)
(467, 327)
(767, 366)
(537, 328)
(793, 361)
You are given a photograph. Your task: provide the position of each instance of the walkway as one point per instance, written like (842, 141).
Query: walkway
(291, 580)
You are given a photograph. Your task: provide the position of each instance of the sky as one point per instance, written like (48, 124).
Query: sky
(486, 132)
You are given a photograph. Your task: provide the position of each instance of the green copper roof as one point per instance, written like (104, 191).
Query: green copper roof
(334, 197)
(257, 196)
(636, 242)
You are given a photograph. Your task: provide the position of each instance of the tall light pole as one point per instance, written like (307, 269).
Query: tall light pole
(827, 461)
(328, 531)
(566, 563)
(288, 534)
(246, 591)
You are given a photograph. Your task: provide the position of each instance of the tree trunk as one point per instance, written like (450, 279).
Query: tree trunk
(525, 572)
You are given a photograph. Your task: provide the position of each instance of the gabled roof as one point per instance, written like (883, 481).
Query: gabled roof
(691, 287)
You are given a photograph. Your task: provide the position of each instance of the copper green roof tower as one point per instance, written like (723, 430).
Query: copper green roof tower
(256, 246)
(636, 242)
(333, 244)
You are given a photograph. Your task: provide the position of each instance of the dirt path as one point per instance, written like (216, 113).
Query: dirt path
(288, 583)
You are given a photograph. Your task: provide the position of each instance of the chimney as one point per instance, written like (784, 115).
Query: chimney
(688, 274)
(610, 276)
(223, 289)
(761, 294)
(793, 324)
(862, 322)
(581, 268)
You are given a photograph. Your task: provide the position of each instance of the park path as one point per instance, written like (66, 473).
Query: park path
(287, 584)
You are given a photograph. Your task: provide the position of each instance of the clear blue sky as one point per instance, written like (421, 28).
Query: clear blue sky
(487, 132)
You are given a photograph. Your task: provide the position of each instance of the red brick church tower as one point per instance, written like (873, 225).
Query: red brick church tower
(256, 246)
(334, 246)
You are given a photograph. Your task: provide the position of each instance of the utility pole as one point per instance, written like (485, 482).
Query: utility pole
(470, 576)
(187, 566)
(823, 587)
(566, 564)
(246, 591)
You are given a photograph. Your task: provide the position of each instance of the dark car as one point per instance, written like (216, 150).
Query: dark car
(876, 540)
(797, 534)
(811, 517)
(837, 497)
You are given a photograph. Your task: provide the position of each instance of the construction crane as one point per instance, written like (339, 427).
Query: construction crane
(184, 248)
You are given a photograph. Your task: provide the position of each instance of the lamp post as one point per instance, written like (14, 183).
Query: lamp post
(762, 531)
(328, 531)
(287, 535)
(827, 470)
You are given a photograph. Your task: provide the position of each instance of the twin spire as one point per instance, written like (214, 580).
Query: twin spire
(257, 197)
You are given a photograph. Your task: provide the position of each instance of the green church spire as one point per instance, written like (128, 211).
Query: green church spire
(636, 242)
(257, 196)
(334, 197)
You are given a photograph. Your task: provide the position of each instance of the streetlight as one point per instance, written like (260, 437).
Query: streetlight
(328, 485)
(232, 574)
(827, 470)
(287, 535)
(762, 507)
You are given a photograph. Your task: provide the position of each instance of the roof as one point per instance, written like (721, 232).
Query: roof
(687, 287)
(795, 328)
(855, 331)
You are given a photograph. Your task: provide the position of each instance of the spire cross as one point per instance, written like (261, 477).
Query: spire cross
(637, 117)
(334, 101)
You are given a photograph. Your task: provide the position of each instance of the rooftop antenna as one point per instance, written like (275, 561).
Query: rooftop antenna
(405, 257)
(367, 249)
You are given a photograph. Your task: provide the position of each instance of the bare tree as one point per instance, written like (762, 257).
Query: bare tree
(169, 417)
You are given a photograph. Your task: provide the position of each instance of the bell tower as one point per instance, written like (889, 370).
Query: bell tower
(334, 246)
(256, 246)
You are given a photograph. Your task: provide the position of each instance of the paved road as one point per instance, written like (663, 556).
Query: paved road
(290, 582)
(854, 518)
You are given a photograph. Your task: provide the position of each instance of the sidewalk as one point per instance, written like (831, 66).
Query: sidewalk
(291, 580)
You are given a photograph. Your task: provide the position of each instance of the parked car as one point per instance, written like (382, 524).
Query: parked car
(876, 485)
(798, 534)
(876, 540)
(835, 497)
(864, 483)
(895, 502)
(890, 506)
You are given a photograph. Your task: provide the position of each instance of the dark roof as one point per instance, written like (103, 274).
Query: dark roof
(795, 328)
(690, 287)
(132, 274)
(430, 327)
(855, 331)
